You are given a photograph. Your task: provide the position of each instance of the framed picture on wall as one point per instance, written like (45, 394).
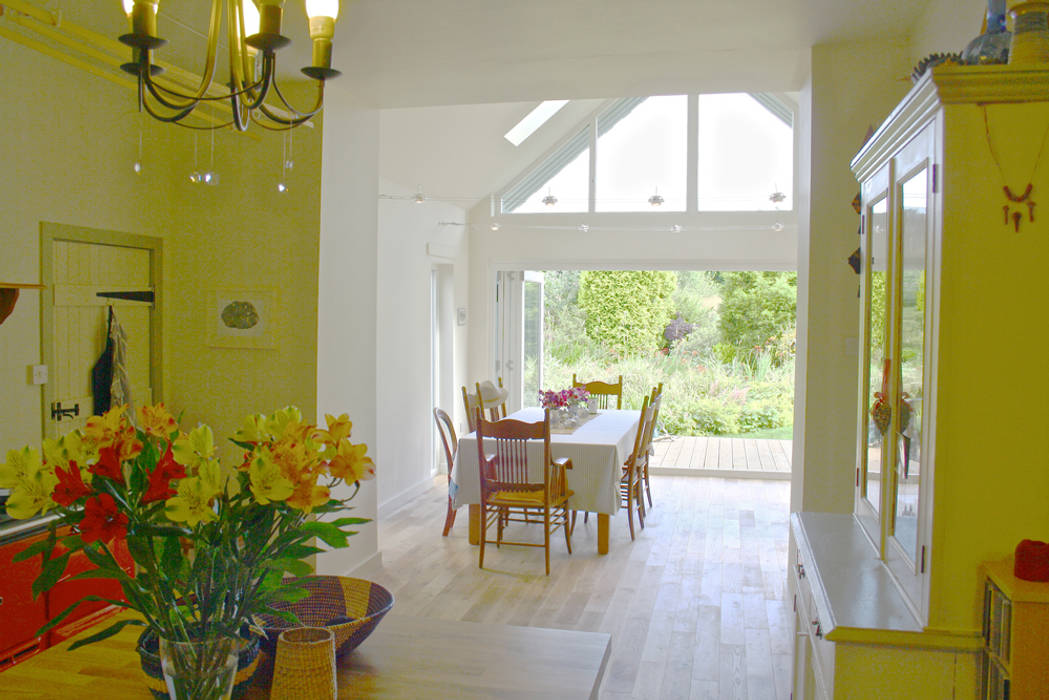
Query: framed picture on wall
(241, 318)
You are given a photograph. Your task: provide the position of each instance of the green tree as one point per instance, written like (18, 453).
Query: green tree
(627, 310)
(757, 308)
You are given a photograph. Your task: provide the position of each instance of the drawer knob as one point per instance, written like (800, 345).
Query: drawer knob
(801, 570)
(819, 628)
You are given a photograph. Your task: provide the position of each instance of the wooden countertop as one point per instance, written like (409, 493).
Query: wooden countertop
(406, 657)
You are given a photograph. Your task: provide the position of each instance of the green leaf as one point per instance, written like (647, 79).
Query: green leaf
(53, 622)
(349, 521)
(34, 549)
(293, 566)
(290, 594)
(300, 551)
(171, 555)
(330, 534)
(100, 573)
(245, 445)
(106, 633)
(49, 575)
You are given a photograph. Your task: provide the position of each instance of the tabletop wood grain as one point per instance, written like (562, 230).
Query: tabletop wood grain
(406, 657)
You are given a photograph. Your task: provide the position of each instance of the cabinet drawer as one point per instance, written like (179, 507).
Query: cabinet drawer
(22, 616)
(821, 651)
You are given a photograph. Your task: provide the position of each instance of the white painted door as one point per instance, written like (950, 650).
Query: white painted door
(86, 272)
(519, 335)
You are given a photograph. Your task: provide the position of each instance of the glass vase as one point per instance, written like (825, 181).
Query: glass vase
(992, 46)
(1030, 40)
(199, 670)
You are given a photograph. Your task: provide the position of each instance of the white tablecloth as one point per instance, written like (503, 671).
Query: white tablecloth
(597, 449)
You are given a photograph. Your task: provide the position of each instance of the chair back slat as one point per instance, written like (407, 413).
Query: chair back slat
(602, 393)
(508, 440)
(635, 457)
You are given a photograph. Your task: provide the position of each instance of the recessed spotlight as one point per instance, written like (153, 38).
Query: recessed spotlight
(676, 228)
(584, 227)
(495, 226)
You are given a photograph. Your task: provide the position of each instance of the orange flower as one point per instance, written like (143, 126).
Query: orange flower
(351, 463)
(308, 495)
(102, 430)
(157, 421)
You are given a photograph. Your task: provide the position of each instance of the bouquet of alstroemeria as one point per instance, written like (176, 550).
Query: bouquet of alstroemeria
(210, 545)
(566, 398)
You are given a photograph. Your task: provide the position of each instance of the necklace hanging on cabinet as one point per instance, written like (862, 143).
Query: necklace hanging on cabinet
(1013, 210)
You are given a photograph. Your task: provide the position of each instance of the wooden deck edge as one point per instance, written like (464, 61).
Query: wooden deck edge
(720, 473)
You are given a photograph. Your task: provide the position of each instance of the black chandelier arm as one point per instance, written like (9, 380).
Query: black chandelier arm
(299, 114)
(177, 117)
(269, 67)
(155, 90)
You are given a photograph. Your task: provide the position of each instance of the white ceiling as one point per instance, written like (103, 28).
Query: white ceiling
(477, 66)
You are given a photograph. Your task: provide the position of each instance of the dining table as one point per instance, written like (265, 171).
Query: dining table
(598, 446)
(405, 657)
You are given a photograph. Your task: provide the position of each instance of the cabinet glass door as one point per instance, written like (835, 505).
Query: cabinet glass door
(875, 294)
(907, 423)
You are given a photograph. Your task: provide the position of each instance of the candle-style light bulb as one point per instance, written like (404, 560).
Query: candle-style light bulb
(322, 15)
(251, 17)
(143, 16)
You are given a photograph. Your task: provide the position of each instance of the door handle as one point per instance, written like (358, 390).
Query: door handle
(58, 413)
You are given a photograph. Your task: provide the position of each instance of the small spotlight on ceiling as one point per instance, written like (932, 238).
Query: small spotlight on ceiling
(495, 226)
(676, 228)
(584, 227)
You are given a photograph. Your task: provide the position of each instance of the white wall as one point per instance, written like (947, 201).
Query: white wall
(852, 86)
(347, 320)
(413, 238)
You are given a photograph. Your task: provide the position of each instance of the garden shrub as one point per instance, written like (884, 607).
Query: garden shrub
(757, 307)
(627, 310)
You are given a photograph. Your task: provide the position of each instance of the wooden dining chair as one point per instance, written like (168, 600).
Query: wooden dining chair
(494, 404)
(602, 392)
(510, 491)
(451, 445)
(492, 398)
(656, 400)
(632, 480)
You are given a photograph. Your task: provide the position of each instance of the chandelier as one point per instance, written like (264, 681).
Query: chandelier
(253, 37)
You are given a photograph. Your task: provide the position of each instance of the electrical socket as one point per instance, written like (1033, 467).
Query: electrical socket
(38, 374)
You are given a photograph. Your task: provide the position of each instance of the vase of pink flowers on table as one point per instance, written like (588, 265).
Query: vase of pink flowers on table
(566, 406)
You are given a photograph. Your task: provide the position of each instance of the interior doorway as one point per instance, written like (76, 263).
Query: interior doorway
(95, 278)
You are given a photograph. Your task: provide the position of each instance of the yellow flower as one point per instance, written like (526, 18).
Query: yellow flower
(286, 421)
(104, 429)
(253, 429)
(194, 449)
(267, 482)
(192, 504)
(338, 429)
(308, 495)
(32, 495)
(157, 421)
(68, 448)
(22, 467)
(351, 463)
(210, 474)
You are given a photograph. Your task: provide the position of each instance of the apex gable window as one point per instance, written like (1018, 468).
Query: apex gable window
(731, 152)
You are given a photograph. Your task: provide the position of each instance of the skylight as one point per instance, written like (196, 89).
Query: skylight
(533, 120)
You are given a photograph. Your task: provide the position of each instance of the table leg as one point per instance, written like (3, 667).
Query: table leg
(475, 524)
(602, 533)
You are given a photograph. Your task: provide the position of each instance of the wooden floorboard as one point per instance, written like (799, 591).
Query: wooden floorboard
(696, 605)
(681, 455)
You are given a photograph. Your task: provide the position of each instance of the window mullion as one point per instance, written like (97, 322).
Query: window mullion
(692, 161)
(591, 206)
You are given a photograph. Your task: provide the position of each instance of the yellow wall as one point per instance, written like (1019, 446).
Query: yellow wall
(68, 142)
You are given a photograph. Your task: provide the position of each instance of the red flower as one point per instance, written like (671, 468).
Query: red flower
(160, 478)
(71, 486)
(102, 520)
(108, 464)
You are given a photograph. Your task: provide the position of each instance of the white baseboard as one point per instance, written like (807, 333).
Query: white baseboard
(371, 563)
(391, 505)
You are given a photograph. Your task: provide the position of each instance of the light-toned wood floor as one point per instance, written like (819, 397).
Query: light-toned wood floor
(729, 457)
(696, 606)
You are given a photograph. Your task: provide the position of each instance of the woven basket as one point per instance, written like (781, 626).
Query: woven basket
(305, 665)
(149, 657)
(350, 607)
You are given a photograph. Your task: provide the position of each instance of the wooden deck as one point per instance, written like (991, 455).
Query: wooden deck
(726, 457)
